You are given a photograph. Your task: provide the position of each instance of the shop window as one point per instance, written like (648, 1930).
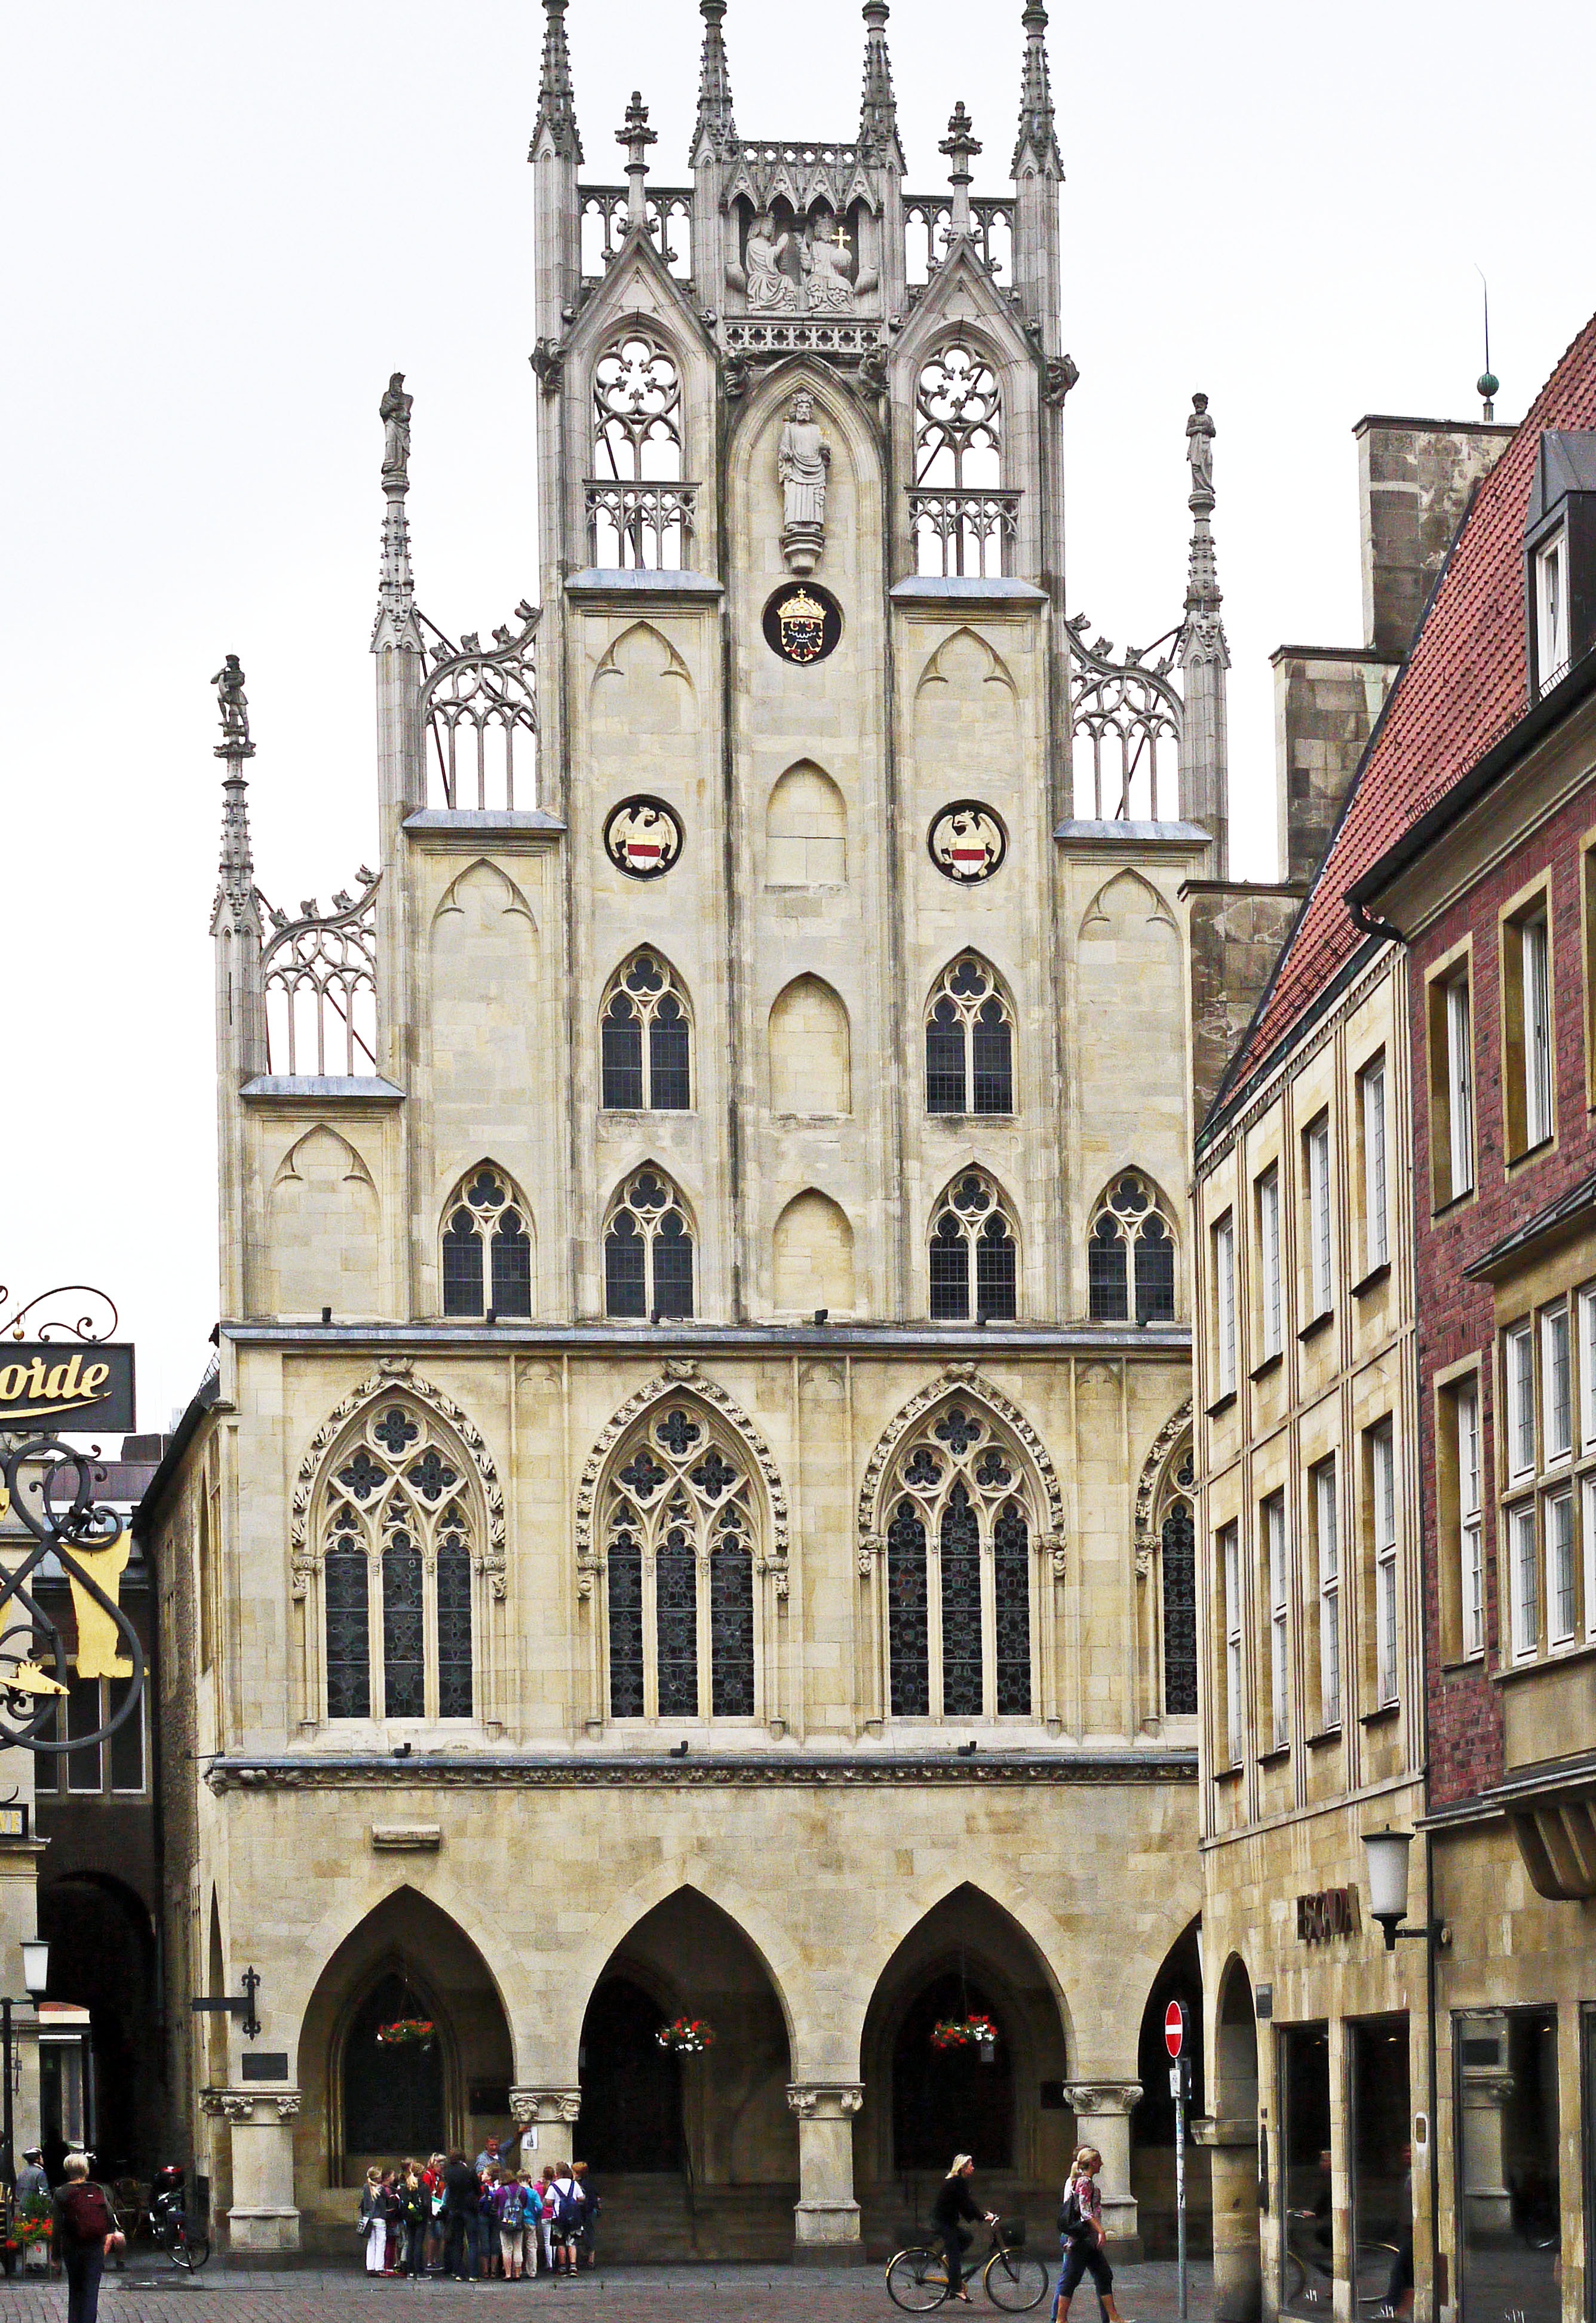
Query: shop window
(1509, 2211)
(1382, 2164)
(1307, 2244)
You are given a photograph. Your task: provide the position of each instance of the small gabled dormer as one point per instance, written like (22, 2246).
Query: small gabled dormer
(1560, 557)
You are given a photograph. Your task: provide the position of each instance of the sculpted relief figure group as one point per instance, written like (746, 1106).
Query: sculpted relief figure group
(817, 281)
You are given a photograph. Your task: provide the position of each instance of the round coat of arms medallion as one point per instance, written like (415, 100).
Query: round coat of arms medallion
(967, 841)
(643, 836)
(803, 623)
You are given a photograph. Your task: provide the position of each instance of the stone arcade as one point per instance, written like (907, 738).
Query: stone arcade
(690, 1513)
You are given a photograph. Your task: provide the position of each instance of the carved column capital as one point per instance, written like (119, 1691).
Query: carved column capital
(1103, 2097)
(288, 2105)
(527, 2105)
(825, 2101)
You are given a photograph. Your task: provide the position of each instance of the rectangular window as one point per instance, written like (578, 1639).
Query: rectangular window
(1527, 1029)
(1269, 1261)
(1587, 1314)
(47, 1764)
(1559, 1575)
(1327, 1562)
(1551, 611)
(1382, 1480)
(127, 1743)
(1518, 1365)
(1460, 1084)
(1230, 1564)
(1224, 1304)
(1377, 1235)
(83, 1717)
(1556, 1386)
(1316, 1150)
(1523, 1582)
(1589, 1557)
(1275, 1576)
(1466, 1408)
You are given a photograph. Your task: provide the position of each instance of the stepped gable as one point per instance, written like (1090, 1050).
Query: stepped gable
(1464, 683)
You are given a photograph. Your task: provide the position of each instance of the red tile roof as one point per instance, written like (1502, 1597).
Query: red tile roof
(1464, 683)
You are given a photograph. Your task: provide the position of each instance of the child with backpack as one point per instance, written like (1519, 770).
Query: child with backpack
(1081, 2238)
(509, 2206)
(565, 2231)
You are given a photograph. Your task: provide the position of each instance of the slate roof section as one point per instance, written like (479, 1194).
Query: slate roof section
(1464, 683)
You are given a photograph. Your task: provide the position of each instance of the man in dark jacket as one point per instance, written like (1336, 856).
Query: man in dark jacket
(953, 2205)
(83, 2219)
(462, 2194)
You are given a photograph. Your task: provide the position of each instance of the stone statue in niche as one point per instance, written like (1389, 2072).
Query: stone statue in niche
(804, 459)
(768, 287)
(825, 269)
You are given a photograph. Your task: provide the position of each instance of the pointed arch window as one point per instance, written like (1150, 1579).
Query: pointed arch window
(974, 1255)
(962, 520)
(1177, 1591)
(969, 1043)
(679, 1522)
(647, 1251)
(639, 511)
(398, 1574)
(487, 1250)
(1130, 1256)
(958, 1573)
(645, 1040)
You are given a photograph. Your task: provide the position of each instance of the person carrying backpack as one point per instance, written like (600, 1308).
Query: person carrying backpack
(567, 2219)
(509, 2200)
(1081, 2238)
(86, 2229)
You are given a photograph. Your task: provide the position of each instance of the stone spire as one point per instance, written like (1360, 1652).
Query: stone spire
(396, 585)
(714, 137)
(961, 146)
(636, 137)
(878, 115)
(556, 97)
(1205, 656)
(1038, 140)
(237, 908)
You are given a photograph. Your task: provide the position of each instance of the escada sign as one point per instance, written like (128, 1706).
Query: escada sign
(82, 1388)
(1332, 1912)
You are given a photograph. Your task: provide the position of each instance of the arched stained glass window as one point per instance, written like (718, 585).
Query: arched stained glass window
(397, 1572)
(1177, 1576)
(679, 1515)
(487, 1251)
(1130, 1256)
(969, 1043)
(973, 1257)
(647, 1251)
(960, 1483)
(645, 1040)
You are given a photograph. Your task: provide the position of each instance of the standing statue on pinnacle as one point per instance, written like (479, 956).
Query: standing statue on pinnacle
(394, 411)
(1199, 450)
(234, 704)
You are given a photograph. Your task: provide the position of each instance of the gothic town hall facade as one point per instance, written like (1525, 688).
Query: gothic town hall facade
(688, 1517)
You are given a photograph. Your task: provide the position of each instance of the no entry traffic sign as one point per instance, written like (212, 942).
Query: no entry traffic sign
(1175, 2028)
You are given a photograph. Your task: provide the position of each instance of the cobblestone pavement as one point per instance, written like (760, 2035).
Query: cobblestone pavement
(679, 2294)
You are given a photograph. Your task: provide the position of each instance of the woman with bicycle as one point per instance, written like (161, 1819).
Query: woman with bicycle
(1081, 2234)
(953, 2205)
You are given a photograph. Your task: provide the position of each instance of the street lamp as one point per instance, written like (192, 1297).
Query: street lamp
(1385, 1854)
(36, 1976)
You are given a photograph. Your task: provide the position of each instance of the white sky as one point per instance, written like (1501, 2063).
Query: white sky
(227, 224)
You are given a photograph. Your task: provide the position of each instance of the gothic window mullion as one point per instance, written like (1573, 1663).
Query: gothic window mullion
(988, 1586)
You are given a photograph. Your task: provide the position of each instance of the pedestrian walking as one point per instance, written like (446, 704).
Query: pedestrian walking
(588, 2248)
(1081, 2238)
(86, 2230)
(372, 2221)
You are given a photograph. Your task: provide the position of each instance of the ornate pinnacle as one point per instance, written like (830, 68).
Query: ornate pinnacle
(636, 137)
(715, 136)
(960, 145)
(1202, 582)
(878, 115)
(235, 896)
(1038, 136)
(557, 98)
(396, 585)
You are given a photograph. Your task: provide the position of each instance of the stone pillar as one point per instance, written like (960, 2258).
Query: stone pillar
(1238, 2274)
(825, 2218)
(264, 2216)
(1103, 2118)
(553, 2114)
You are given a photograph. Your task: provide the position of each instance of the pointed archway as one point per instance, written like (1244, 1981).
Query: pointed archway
(366, 2101)
(702, 2152)
(966, 1957)
(1152, 2121)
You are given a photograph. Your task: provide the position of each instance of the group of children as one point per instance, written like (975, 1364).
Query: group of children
(481, 2221)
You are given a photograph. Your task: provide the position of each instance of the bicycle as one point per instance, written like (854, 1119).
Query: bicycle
(171, 2230)
(917, 2280)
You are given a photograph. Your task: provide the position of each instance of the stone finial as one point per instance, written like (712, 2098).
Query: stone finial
(1038, 139)
(714, 138)
(396, 583)
(556, 97)
(1202, 588)
(636, 137)
(1204, 655)
(960, 145)
(878, 114)
(236, 905)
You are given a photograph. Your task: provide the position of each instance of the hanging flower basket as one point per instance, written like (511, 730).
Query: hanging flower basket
(687, 2036)
(976, 2032)
(406, 2033)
